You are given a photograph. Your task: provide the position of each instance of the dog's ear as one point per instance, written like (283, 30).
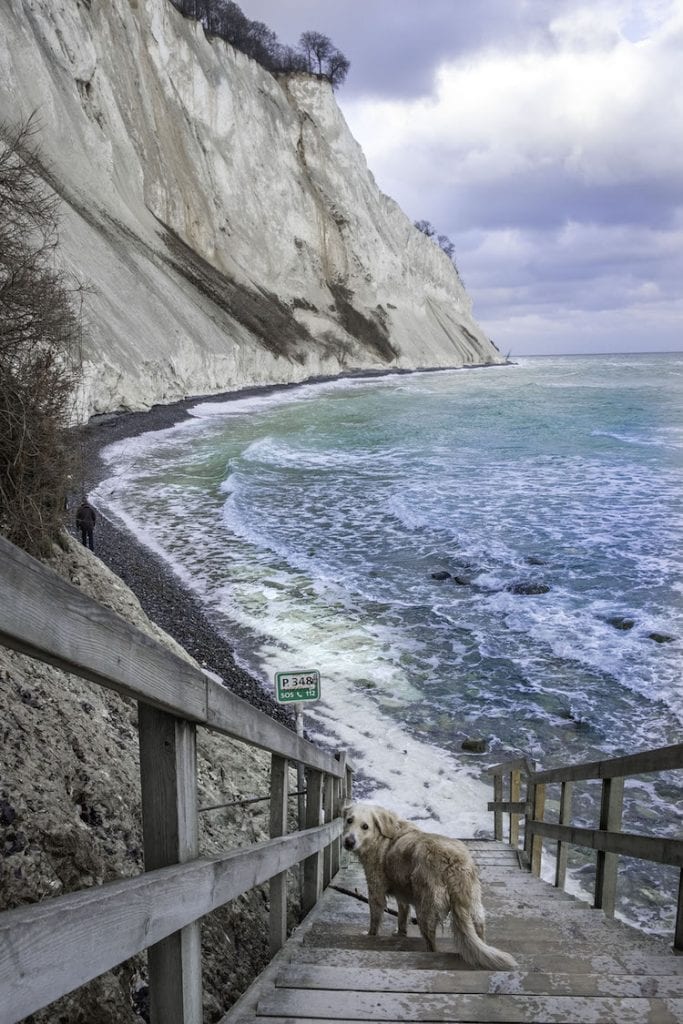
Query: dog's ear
(388, 825)
(346, 808)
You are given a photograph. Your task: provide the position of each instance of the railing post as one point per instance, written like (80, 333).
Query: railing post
(168, 772)
(515, 793)
(607, 863)
(498, 814)
(562, 847)
(348, 790)
(312, 876)
(279, 793)
(537, 815)
(678, 934)
(328, 804)
(337, 809)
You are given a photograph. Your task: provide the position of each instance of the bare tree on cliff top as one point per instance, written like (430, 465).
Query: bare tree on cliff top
(323, 58)
(39, 350)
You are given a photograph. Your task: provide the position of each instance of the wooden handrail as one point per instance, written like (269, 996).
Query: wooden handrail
(659, 850)
(520, 764)
(608, 839)
(660, 760)
(48, 949)
(44, 617)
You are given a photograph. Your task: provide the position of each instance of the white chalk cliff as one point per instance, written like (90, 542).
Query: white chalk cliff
(224, 221)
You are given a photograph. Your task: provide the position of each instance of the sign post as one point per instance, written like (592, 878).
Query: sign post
(298, 688)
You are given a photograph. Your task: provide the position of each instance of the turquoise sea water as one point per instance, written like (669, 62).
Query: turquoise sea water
(312, 523)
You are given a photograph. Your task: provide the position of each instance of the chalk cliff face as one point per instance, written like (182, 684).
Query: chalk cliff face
(224, 221)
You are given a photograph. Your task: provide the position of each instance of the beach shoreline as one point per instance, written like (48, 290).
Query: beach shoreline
(163, 596)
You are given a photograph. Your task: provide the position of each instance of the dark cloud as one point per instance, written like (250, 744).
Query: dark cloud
(395, 45)
(545, 150)
(548, 199)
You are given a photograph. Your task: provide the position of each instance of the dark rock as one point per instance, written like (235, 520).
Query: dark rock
(474, 746)
(462, 581)
(442, 575)
(620, 622)
(535, 560)
(661, 638)
(15, 842)
(528, 587)
(7, 813)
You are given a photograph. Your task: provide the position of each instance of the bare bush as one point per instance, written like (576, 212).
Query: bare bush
(39, 350)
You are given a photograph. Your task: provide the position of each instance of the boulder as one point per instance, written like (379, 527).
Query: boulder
(621, 622)
(474, 746)
(528, 587)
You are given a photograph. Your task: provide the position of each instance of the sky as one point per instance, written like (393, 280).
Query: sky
(544, 137)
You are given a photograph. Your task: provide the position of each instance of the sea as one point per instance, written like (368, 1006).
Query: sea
(489, 553)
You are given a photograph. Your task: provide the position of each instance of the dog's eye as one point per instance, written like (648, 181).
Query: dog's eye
(349, 821)
(365, 826)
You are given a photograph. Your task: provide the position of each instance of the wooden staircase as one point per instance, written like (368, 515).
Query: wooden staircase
(575, 965)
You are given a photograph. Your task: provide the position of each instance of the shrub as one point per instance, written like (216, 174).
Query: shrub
(39, 349)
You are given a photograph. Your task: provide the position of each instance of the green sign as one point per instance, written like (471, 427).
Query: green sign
(297, 686)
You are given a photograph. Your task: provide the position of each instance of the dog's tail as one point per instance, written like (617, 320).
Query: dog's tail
(474, 950)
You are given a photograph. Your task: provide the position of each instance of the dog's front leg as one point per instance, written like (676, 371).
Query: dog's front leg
(377, 900)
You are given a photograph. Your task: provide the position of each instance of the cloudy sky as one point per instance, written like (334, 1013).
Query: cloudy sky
(544, 137)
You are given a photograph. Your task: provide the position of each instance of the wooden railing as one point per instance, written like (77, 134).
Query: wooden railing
(607, 839)
(51, 948)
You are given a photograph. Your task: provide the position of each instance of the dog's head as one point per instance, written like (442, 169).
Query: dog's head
(365, 824)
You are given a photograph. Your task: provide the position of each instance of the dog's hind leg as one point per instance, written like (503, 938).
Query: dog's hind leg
(403, 911)
(479, 920)
(427, 920)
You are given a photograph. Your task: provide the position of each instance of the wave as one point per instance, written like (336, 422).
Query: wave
(637, 439)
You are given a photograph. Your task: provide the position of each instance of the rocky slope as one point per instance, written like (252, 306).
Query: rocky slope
(224, 221)
(70, 809)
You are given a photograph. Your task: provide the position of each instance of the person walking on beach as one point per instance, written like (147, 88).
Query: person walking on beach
(86, 517)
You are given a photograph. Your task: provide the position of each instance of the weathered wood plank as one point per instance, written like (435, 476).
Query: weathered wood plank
(537, 813)
(515, 793)
(622, 963)
(510, 1009)
(362, 979)
(496, 806)
(508, 807)
(235, 717)
(659, 760)
(611, 807)
(47, 949)
(328, 807)
(562, 848)
(312, 873)
(678, 932)
(89, 640)
(94, 643)
(522, 764)
(659, 850)
(279, 793)
(168, 773)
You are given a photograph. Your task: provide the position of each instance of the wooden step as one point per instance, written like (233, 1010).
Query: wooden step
(568, 963)
(470, 982)
(322, 1004)
(574, 966)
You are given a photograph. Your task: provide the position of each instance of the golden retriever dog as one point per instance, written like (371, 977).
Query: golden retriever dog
(434, 874)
